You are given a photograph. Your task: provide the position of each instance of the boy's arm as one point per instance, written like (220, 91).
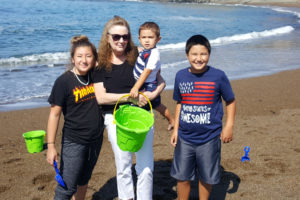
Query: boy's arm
(174, 135)
(134, 92)
(227, 132)
(53, 121)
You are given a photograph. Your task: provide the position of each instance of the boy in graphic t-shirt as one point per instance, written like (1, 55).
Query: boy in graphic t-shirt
(199, 90)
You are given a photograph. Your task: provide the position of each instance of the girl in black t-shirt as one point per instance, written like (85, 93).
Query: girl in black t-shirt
(73, 95)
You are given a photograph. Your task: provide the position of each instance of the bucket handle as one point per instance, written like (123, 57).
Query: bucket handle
(126, 95)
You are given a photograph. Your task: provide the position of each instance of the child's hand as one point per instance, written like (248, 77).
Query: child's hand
(142, 100)
(51, 154)
(134, 92)
(135, 101)
(174, 137)
(227, 134)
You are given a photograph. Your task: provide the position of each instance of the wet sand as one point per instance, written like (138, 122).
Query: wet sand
(267, 120)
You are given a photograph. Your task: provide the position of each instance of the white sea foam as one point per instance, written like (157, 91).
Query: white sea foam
(232, 5)
(277, 9)
(23, 98)
(252, 35)
(283, 10)
(134, 0)
(172, 46)
(190, 18)
(64, 56)
(174, 64)
(35, 58)
(236, 38)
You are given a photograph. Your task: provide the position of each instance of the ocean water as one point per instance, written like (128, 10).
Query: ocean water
(247, 41)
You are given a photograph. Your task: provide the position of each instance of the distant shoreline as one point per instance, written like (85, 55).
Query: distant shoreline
(286, 3)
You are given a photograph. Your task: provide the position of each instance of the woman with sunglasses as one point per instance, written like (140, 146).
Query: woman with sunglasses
(113, 79)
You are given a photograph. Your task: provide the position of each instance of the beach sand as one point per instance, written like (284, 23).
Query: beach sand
(267, 120)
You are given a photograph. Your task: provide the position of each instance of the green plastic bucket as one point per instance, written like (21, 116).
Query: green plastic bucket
(34, 140)
(133, 124)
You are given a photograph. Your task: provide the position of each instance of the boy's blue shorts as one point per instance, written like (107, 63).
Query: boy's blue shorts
(197, 161)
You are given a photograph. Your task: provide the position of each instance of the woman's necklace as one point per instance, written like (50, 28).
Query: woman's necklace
(80, 80)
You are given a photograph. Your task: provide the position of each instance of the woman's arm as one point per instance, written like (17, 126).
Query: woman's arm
(105, 98)
(53, 121)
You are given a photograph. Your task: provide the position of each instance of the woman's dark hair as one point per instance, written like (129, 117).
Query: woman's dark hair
(197, 40)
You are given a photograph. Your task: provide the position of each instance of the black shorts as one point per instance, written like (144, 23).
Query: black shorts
(77, 164)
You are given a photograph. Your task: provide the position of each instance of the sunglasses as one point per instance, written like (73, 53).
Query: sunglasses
(117, 37)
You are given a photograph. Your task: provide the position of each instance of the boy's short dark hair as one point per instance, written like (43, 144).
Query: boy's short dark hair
(197, 40)
(152, 26)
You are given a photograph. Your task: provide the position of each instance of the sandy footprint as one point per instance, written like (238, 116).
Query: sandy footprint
(3, 188)
(13, 160)
(297, 150)
(42, 178)
(277, 165)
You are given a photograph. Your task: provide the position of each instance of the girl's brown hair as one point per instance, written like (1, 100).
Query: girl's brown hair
(105, 50)
(81, 41)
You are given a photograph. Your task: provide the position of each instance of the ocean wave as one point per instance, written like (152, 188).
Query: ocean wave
(283, 10)
(36, 58)
(134, 0)
(174, 64)
(252, 35)
(23, 99)
(236, 38)
(190, 18)
(62, 57)
(171, 46)
(277, 9)
(17, 70)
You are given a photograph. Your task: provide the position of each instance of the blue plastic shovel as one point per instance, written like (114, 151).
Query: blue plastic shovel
(58, 177)
(245, 157)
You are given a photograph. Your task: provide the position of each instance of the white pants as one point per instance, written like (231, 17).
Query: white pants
(123, 159)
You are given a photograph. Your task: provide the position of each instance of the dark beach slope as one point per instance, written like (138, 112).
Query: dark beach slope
(268, 115)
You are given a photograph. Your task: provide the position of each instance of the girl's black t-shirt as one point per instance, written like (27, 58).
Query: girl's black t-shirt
(119, 80)
(83, 117)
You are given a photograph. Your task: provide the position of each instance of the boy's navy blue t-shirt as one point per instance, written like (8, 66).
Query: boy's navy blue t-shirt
(200, 95)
